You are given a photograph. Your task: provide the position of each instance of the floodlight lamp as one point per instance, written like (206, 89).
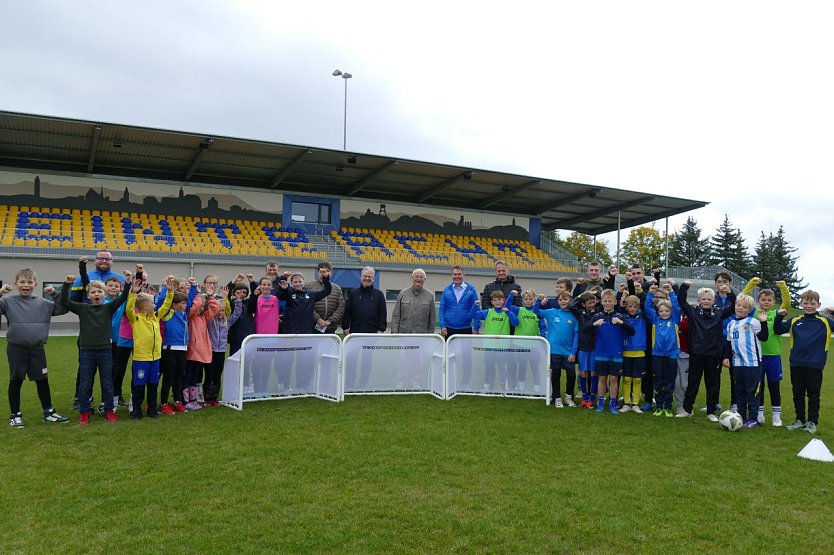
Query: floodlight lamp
(346, 76)
(337, 72)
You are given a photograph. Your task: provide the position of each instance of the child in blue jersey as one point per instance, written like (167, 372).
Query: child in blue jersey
(529, 324)
(611, 330)
(174, 347)
(634, 355)
(585, 353)
(810, 339)
(563, 336)
(665, 320)
(497, 321)
(743, 355)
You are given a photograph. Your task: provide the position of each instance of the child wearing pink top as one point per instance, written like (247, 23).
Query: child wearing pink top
(203, 309)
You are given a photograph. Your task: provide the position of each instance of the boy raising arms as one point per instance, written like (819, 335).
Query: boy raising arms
(29, 316)
(810, 338)
(611, 330)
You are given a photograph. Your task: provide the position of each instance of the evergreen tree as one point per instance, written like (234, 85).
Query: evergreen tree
(583, 247)
(645, 246)
(687, 247)
(727, 249)
(774, 261)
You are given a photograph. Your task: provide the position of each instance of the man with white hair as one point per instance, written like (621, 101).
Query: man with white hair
(414, 310)
(365, 312)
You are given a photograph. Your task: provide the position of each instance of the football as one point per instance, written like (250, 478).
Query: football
(730, 421)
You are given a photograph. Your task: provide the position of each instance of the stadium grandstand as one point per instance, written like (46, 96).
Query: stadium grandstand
(193, 203)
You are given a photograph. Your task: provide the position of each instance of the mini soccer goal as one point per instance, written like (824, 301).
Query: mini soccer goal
(498, 365)
(393, 364)
(282, 367)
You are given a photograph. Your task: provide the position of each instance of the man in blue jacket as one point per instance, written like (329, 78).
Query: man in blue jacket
(456, 304)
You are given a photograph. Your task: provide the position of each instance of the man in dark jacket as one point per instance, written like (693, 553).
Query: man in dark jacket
(504, 282)
(365, 312)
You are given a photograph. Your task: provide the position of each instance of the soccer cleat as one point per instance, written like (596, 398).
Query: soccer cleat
(111, 417)
(569, 402)
(657, 412)
(777, 419)
(626, 408)
(668, 413)
(712, 418)
(84, 419)
(600, 408)
(179, 407)
(810, 427)
(166, 408)
(795, 425)
(613, 409)
(50, 415)
(584, 404)
(16, 421)
(646, 407)
(558, 403)
(636, 409)
(750, 423)
(683, 414)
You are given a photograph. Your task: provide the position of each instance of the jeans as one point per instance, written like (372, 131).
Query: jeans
(89, 360)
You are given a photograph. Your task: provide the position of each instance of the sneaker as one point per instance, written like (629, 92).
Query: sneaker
(111, 417)
(657, 412)
(751, 423)
(712, 418)
(122, 403)
(599, 408)
(625, 408)
(636, 409)
(613, 409)
(179, 407)
(100, 410)
(84, 419)
(776, 419)
(683, 414)
(558, 404)
(52, 416)
(702, 409)
(668, 413)
(166, 408)
(569, 402)
(646, 407)
(16, 421)
(75, 406)
(795, 425)
(733, 408)
(680, 412)
(810, 427)
(760, 419)
(193, 405)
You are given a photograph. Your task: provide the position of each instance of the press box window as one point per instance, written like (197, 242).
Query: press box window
(310, 213)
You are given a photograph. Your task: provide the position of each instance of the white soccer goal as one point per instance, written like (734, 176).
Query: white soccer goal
(391, 364)
(281, 367)
(498, 365)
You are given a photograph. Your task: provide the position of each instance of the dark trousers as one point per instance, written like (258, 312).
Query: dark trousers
(466, 361)
(806, 381)
(211, 386)
(89, 361)
(747, 384)
(172, 367)
(647, 386)
(708, 366)
(43, 394)
(138, 393)
(557, 364)
(120, 368)
(664, 371)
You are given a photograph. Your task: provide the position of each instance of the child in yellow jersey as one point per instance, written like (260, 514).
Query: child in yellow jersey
(147, 344)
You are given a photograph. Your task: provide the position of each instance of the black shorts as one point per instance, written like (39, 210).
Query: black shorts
(26, 361)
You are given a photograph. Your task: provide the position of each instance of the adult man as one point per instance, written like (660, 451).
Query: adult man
(271, 270)
(365, 312)
(414, 309)
(595, 279)
(504, 282)
(102, 272)
(328, 312)
(456, 304)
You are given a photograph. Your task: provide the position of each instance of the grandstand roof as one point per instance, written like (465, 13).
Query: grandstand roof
(61, 144)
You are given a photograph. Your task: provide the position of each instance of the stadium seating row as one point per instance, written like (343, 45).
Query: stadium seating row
(25, 226)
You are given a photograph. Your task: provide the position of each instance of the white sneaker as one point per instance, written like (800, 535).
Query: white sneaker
(683, 414)
(777, 419)
(702, 409)
(680, 412)
(712, 418)
(634, 408)
(569, 402)
(760, 418)
(558, 403)
(625, 408)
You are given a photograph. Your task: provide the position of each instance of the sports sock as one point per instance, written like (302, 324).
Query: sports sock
(636, 388)
(583, 387)
(625, 390)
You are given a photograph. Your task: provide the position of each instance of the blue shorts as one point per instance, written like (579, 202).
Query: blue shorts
(560, 362)
(609, 367)
(772, 368)
(634, 367)
(586, 361)
(145, 371)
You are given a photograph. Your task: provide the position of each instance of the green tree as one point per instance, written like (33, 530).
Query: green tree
(687, 247)
(645, 246)
(727, 249)
(774, 261)
(583, 247)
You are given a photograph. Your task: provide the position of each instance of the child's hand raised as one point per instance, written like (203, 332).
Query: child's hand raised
(781, 312)
(169, 282)
(616, 320)
(69, 279)
(239, 278)
(612, 269)
(755, 280)
(83, 258)
(7, 288)
(192, 280)
(762, 316)
(224, 291)
(478, 304)
(687, 283)
(250, 277)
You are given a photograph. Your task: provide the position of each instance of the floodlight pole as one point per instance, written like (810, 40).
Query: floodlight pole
(345, 76)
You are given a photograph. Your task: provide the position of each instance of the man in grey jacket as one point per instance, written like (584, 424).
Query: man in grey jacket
(414, 310)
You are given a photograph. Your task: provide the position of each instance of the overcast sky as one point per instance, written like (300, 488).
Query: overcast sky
(726, 102)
